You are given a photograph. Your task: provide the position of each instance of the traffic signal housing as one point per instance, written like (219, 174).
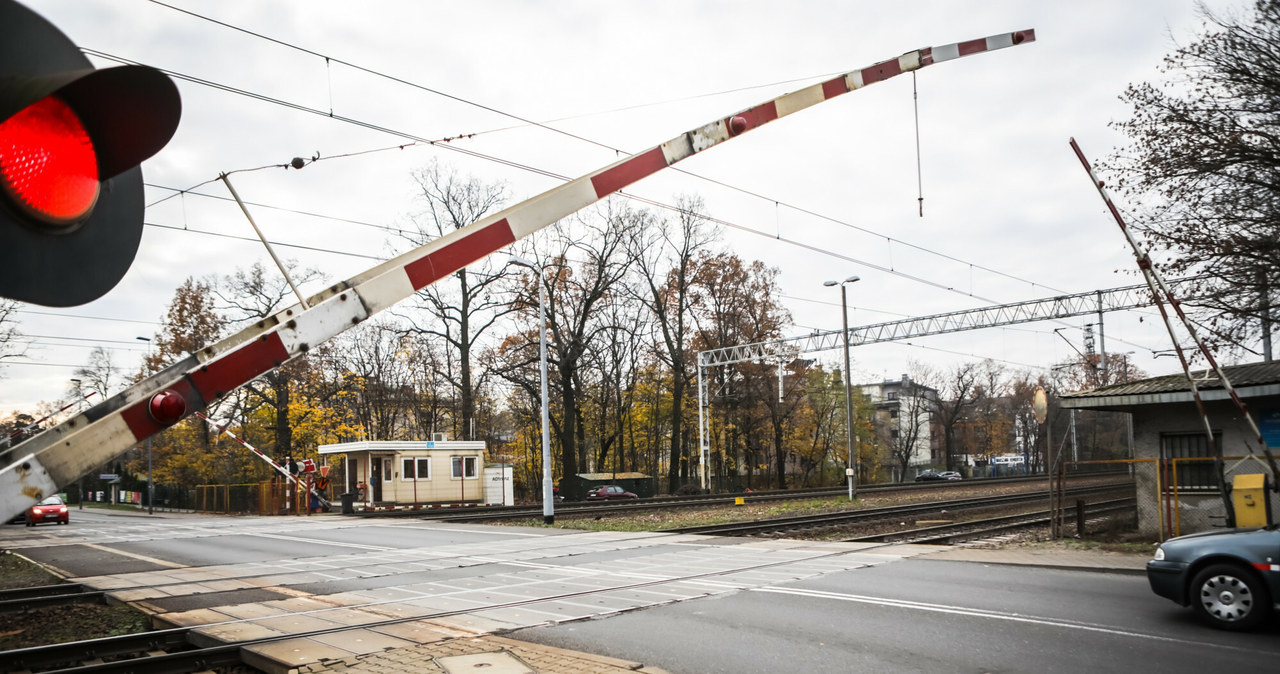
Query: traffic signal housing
(71, 140)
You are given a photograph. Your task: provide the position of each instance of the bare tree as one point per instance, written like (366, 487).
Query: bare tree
(955, 392)
(379, 390)
(666, 259)
(11, 344)
(1203, 167)
(581, 278)
(459, 312)
(254, 294)
(101, 373)
(616, 358)
(990, 421)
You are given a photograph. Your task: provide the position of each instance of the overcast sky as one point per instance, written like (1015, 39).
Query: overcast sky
(1009, 214)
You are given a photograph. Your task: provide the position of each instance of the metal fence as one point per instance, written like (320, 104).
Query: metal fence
(1192, 501)
(271, 497)
(1179, 496)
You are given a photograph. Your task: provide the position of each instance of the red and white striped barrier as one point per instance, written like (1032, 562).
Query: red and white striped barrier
(62, 454)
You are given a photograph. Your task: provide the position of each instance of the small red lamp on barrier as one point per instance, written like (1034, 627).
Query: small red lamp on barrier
(167, 408)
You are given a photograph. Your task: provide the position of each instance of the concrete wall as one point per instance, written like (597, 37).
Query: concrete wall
(1195, 511)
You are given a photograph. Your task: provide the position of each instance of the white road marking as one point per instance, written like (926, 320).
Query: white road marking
(992, 615)
(494, 531)
(320, 541)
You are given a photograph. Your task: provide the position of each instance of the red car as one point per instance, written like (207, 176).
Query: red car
(609, 492)
(51, 509)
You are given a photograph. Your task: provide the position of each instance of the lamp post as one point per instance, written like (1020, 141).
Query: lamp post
(151, 488)
(851, 434)
(548, 499)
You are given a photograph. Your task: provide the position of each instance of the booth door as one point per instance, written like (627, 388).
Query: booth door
(382, 470)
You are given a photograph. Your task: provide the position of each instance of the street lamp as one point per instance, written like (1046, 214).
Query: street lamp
(850, 433)
(548, 500)
(151, 488)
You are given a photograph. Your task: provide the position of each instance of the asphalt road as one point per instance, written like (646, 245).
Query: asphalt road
(102, 542)
(926, 616)
(754, 606)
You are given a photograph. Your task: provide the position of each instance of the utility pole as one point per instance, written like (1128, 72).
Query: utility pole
(851, 433)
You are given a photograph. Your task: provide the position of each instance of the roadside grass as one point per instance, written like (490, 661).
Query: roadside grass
(17, 572)
(58, 624)
(692, 517)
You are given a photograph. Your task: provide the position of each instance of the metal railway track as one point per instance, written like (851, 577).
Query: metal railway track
(572, 508)
(956, 532)
(827, 520)
(27, 598)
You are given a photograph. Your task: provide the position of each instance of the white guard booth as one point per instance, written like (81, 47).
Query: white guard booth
(409, 473)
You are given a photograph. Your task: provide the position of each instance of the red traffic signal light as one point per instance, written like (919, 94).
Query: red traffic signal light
(48, 168)
(71, 139)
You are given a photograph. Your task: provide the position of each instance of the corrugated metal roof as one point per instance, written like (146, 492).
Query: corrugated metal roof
(1249, 380)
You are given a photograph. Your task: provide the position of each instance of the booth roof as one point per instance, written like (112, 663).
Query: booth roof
(400, 446)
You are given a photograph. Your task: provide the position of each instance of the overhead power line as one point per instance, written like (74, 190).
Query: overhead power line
(329, 59)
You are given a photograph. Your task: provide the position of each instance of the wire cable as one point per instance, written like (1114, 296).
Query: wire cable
(370, 71)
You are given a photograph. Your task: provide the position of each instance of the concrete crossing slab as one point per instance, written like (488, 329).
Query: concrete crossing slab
(418, 631)
(192, 618)
(280, 657)
(295, 623)
(472, 624)
(227, 633)
(361, 641)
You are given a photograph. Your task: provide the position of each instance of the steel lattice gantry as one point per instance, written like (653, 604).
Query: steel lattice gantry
(782, 350)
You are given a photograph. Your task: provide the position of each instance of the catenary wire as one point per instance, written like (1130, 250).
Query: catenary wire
(546, 126)
(435, 143)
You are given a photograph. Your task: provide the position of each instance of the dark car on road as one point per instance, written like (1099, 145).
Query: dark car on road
(51, 509)
(1230, 578)
(609, 492)
(930, 476)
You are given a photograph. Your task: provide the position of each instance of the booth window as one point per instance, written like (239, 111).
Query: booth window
(415, 468)
(464, 466)
(1194, 475)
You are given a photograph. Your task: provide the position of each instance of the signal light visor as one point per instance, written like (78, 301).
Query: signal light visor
(48, 167)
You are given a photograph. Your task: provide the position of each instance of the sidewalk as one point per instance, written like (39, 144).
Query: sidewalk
(493, 654)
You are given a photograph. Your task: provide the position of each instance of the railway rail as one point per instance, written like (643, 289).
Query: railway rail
(579, 508)
(27, 598)
(958, 532)
(863, 516)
